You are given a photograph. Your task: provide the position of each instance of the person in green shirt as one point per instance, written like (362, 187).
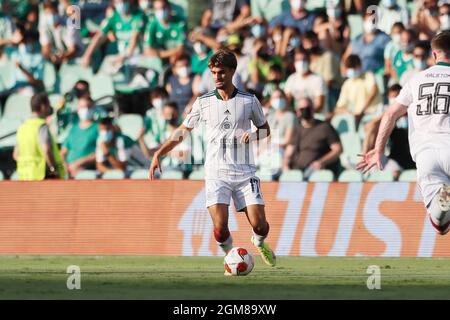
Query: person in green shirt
(404, 60)
(127, 22)
(165, 36)
(78, 150)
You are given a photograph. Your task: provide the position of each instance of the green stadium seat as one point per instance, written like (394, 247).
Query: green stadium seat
(6, 75)
(101, 85)
(2, 177)
(14, 176)
(355, 22)
(8, 127)
(198, 174)
(171, 174)
(292, 176)
(183, 5)
(409, 175)
(17, 107)
(154, 63)
(131, 125)
(350, 176)
(323, 175)
(113, 175)
(49, 77)
(86, 175)
(379, 176)
(264, 175)
(365, 119)
(343, 123)
(70, 74)
(140, 174)
(351, 144)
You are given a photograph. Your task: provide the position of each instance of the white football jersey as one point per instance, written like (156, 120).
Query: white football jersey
(225, 122)
(427, 96)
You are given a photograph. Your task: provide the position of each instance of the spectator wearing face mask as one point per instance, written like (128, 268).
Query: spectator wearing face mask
(403, 60)
(390, 12)
(60, 39)
(392, 48)
(165, 36)
(127, 23)
(369, 46)
(332, 28)
(426, 18)
(291, 40)
(315, 144)
(305, 84)
(36, 151)
(268, 9)
(359, 94)
(275, 80)
(200, 56)
(183, 85)
(444, 16)
(29, 71)
(281, 120)
(297, 17)
(325, 63)
(78, 150)
(113, 149)
(223, 16)
(420, 57)
(154, 122)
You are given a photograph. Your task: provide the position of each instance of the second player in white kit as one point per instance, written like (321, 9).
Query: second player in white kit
(426, 99)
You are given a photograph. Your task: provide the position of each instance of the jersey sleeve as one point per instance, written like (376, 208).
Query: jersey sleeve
(405, 96)
(193, 118)
(257, 116)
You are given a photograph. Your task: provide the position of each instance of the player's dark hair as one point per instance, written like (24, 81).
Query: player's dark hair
(441, 42)
(223, 58)
(37, 100)
(353, 61)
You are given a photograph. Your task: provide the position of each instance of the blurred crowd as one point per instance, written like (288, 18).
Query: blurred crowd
(115, 78)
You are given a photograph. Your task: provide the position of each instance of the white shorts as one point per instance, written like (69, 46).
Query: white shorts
(433, 170)
(245, 192)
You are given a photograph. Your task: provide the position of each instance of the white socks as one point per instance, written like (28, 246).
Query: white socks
(227, 245)
(258, 240)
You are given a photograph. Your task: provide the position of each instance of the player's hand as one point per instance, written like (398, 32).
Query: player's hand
(245, 138)
(154, 165)
(369, 160)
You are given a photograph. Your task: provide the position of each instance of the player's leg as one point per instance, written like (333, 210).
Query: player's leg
(433, 179)
(219, 215)
(248, 198)
(218, 195)
(257, 218)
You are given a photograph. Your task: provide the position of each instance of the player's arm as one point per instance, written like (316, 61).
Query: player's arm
(176, 138)
(374, 156)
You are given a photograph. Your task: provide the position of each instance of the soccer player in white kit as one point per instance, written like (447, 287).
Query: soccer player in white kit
(227, 114)
(426, 99)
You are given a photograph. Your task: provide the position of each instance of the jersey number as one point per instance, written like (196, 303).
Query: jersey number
(437, 102)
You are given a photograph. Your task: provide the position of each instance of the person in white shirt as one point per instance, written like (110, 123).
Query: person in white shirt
(228, 115)
(426, 99)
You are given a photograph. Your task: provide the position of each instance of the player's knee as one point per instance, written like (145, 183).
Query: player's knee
(221, 234)
(261, 228)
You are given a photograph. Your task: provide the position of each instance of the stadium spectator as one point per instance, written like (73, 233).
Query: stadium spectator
(359, 93)
(315, 144)
(182, 85)
(291, 40)
(113, 148)
(325, 63)
(60, 40)
(426, 18)
(392, 48)
(420, 54)
(235, 45)
(201, 54)
(224, 15)
(444, 16)
(154, 122)
(332, 29)
(29, 72)
(6, 28)
(275, 79)
(369, 46)
(281, 120)
(127, 23)
(403, 60)
(78, 150)
(268, 9)
(165, 36)
(297, 17)
(390, 12)
(305, 84)
(36, 151)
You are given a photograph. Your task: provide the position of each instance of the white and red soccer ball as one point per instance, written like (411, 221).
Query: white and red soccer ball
(238, 262)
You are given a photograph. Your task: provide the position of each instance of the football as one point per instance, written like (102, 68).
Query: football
(238, 262)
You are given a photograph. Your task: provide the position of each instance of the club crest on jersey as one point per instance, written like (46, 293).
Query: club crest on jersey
(226, 125)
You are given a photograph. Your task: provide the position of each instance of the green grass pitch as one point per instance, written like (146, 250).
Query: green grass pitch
(145, 277)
